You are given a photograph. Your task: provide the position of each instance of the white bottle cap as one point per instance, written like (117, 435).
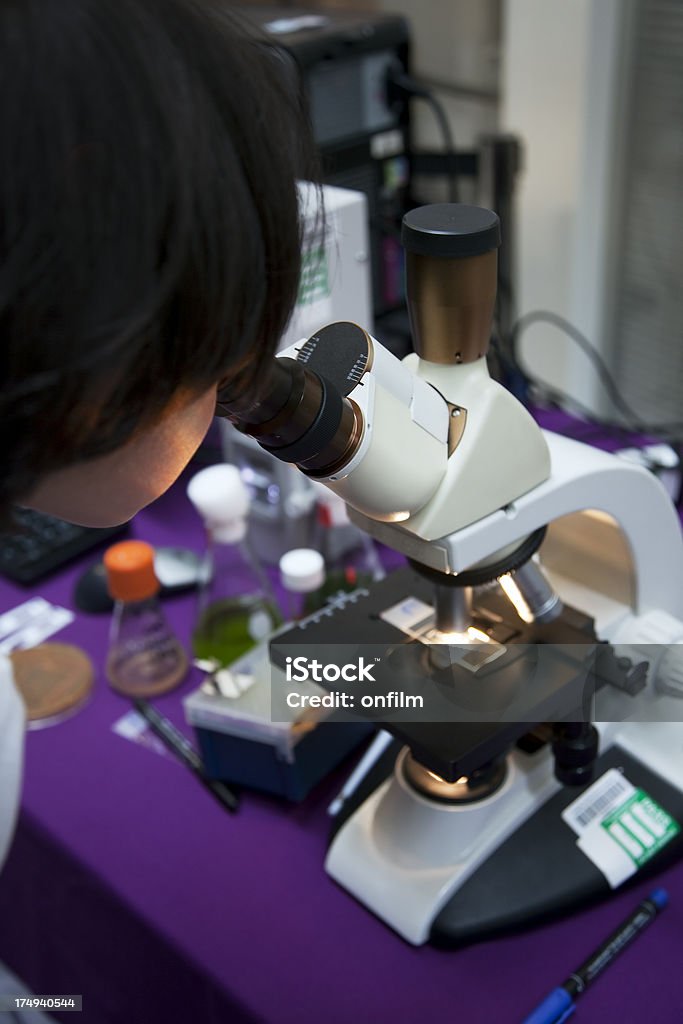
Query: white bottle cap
(302, 570)
(221, 497)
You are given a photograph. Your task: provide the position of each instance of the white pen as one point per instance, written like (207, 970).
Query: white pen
(369, 758)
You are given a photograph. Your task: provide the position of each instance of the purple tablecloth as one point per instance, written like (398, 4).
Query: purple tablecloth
(128, 883)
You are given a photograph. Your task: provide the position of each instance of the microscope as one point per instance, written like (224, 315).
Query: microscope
(536, 760)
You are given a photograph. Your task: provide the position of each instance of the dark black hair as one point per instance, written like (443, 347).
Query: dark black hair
(149, 228)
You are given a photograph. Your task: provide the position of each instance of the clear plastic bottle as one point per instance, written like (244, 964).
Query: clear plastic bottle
(302, 574)
(351, 558)
(349, 569)
(237, 607)
(145, 658)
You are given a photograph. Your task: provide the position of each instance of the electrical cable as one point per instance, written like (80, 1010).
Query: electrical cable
(474, 93)
(631, 419)
(449, 144)
(522, 381)
(398, 78)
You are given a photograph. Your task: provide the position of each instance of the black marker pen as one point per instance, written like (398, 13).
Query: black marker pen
(174, 741)
(559, 1005)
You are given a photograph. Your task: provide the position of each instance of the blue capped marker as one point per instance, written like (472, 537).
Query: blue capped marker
(559, 1005)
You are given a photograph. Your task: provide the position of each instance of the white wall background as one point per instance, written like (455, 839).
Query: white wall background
(562, 60)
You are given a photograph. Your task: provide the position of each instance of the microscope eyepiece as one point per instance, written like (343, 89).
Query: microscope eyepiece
(451, 278)
(302, 417)
(346, 411)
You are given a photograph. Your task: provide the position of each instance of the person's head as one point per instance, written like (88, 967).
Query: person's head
(149, 239)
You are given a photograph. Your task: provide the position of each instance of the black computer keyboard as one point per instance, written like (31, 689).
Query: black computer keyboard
(37, 544)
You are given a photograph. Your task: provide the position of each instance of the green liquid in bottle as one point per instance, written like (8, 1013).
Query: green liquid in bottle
(228, 628)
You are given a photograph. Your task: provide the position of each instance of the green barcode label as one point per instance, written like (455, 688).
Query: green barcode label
(641, 827)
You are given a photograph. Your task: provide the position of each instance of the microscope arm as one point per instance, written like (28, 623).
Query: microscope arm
(581, 478)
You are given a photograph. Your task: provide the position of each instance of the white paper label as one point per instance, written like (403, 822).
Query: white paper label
(22, 615)
(134, 727)
(619, 827)
(610, 790)
(31, 623)
(411, 616)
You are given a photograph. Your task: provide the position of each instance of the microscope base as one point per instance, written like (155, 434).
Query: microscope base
(539, 873)
(454, 876)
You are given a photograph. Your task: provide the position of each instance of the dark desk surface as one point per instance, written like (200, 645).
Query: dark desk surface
(128, 884)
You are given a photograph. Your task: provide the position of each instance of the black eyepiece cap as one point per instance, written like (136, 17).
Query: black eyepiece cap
(450, 230)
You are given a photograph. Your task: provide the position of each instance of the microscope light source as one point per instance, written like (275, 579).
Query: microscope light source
(516, 597)
(467, 636)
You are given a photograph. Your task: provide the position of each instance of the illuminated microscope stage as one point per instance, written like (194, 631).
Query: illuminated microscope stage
(489, 726)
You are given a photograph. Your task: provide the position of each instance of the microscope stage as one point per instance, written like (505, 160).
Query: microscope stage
(470, 714)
